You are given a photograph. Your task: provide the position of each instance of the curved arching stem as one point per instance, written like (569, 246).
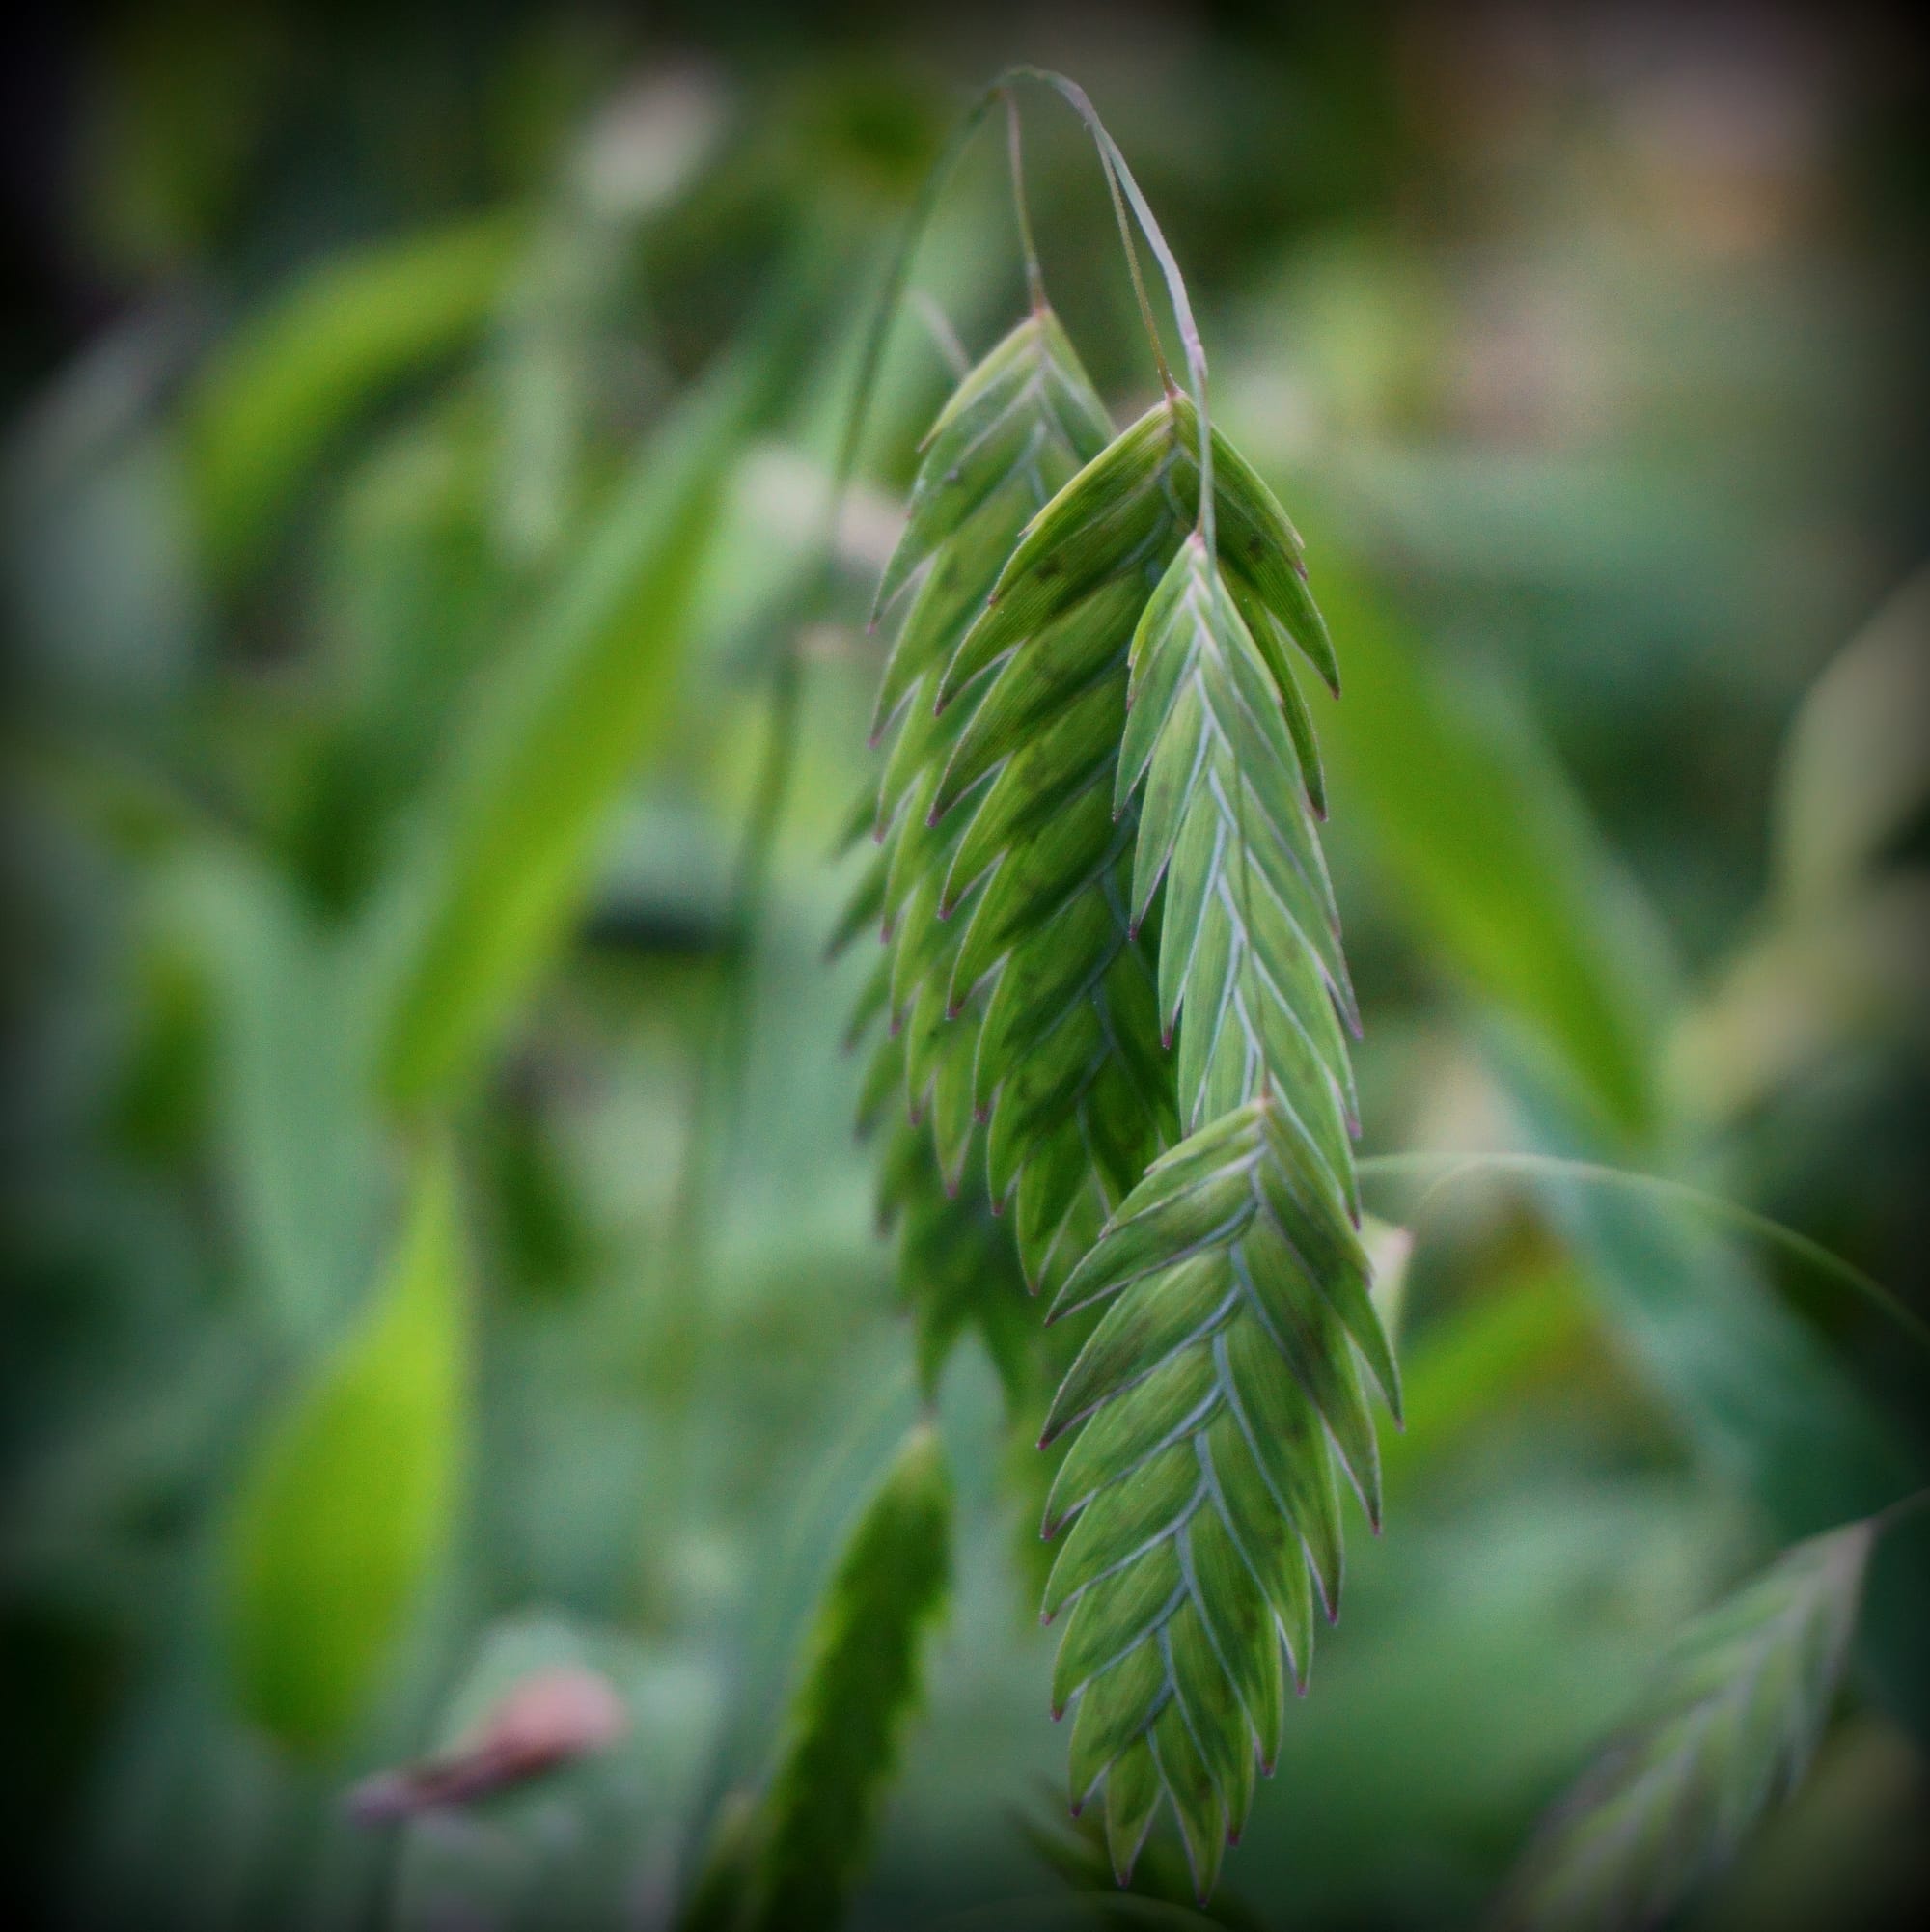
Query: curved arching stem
(1122, 188)
(1129, 244)
(1448, 1169)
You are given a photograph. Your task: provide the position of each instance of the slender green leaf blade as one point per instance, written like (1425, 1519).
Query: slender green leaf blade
(480, 904)
(861, 1685)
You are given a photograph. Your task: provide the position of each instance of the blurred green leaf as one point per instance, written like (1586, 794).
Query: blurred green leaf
(278, 389)
(1841, 954)
(552, 738)
(1492, 860)
(351, 1500)
(860, 1686)
(1756, 1390)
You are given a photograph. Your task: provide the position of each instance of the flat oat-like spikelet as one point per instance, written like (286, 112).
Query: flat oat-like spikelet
(1728, 1728)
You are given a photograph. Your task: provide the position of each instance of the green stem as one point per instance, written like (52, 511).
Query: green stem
(1131, 247)
(1119, 179)
(1015, 158)
(1551, 1166)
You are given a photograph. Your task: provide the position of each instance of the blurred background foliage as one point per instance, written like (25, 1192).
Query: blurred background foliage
(435, 1242)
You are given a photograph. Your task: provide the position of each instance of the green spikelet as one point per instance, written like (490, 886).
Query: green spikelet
(861, 1684)
(1251, 949)
(1022, 856)
(1729, 1729)
(1222, 1396)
